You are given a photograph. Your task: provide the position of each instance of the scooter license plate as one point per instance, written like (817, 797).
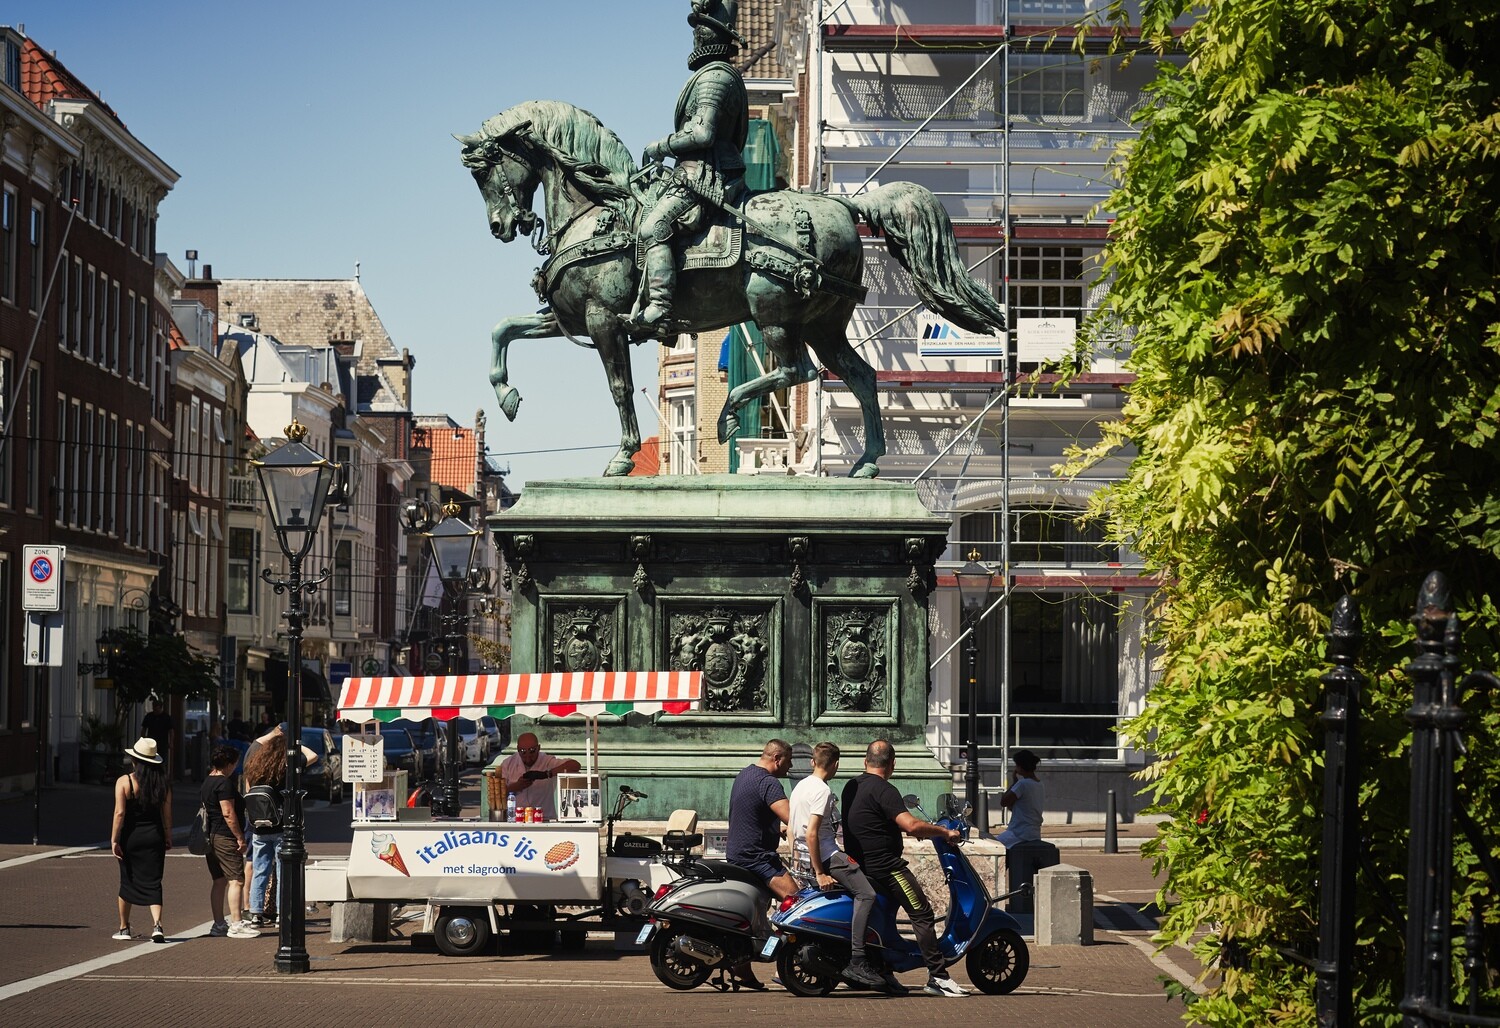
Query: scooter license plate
(644, 934)
(769, 949)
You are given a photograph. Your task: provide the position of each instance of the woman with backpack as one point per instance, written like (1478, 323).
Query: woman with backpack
(265, 775)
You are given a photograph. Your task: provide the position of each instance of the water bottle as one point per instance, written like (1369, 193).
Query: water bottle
(510, 806)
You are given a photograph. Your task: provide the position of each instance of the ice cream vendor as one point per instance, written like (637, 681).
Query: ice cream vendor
(528, 775)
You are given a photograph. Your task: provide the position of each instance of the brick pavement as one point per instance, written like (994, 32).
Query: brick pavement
(58, 912)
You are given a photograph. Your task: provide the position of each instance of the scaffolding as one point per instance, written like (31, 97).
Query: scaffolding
(1011, 121)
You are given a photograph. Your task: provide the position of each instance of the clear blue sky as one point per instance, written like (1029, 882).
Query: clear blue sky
(313, 135)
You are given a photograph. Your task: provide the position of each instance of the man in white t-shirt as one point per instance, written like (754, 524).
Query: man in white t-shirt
(815, 848)
(1024, 798)
(528, 773)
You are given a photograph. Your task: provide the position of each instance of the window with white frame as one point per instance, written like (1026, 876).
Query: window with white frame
(34, 438)
(682, 452)
(1051, 280)
(7, 387)
(8, 233)
(1047, 88)
(34, 229)
(239, 584)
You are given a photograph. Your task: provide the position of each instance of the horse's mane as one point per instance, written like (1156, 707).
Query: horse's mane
(577, 139)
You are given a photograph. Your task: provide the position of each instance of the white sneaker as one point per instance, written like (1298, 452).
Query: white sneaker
(243, 930)
(219, 930)
(123, 935)
(943, 986)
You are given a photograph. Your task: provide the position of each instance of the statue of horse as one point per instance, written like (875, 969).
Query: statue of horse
(797, 279)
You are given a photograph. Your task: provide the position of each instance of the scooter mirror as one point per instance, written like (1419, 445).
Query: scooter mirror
(912, 801)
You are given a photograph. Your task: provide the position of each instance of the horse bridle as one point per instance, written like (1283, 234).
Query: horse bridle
(527, 220)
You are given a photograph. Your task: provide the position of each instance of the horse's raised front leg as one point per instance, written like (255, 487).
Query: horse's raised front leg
(857, 374)
(613, 344)
(794, 368)
(522, 326)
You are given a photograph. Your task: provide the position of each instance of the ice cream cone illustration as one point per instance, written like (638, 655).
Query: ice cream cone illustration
(384, 846)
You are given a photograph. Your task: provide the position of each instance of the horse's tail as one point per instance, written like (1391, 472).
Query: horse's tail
(919, 235)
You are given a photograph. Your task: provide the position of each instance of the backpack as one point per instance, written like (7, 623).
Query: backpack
(263, 808)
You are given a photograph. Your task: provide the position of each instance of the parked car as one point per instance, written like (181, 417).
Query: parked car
(324, 779)
(401, 752)
(475, 741)
(497, 736)
(431, 743)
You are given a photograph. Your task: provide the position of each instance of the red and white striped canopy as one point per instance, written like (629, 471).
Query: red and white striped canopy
(589, 693)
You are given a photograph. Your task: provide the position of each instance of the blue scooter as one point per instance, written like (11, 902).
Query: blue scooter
(814, 928)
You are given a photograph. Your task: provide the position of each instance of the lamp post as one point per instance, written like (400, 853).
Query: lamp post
(974, 584)
(295, 480)
(452, 542)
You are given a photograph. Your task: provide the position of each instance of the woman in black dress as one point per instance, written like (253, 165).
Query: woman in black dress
(141, 835)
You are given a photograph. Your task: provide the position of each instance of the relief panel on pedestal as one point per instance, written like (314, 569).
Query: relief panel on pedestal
(856, 662)
(737, 648)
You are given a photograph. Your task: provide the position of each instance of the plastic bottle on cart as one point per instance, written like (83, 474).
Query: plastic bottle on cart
(510, 806)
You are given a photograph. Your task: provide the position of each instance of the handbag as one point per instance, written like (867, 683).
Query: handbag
(198, 834)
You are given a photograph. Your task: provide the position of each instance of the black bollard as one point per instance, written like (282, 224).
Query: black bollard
(1111, 834)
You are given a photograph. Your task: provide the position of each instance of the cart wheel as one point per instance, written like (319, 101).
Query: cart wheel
(674, 970)
(800, 968)
(461, 932)
(998, 964)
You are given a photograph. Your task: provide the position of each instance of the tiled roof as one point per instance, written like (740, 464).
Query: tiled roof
(757, 23)
(318, 312)
(175, 339)
(44, 78)
(452, 458)
(647, 459)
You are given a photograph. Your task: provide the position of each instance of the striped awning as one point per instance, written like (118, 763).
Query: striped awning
(560, 694)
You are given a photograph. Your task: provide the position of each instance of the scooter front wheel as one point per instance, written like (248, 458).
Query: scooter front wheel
(803, 970)
(675, 970)
(999, 964)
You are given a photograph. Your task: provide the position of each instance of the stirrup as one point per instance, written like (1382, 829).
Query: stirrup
(637, 321)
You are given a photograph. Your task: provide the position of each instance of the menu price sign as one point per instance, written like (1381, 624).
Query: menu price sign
(364, 759)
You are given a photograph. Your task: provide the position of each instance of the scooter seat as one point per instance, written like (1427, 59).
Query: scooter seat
(733, 872)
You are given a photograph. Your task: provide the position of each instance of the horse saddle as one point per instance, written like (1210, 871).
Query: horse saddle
(715, 240)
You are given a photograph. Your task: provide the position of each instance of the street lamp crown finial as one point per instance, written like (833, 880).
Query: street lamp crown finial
(451, 509)
(296, 431)
(973, 554)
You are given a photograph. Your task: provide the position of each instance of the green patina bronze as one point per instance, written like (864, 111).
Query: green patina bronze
(791, 262)
(802, 601)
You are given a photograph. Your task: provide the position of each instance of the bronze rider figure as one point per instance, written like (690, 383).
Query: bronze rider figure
(712, 119)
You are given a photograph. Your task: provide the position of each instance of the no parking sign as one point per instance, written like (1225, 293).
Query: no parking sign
(41, 588)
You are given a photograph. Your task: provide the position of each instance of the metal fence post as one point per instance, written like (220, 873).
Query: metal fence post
(1341, 775)
(1428, 881)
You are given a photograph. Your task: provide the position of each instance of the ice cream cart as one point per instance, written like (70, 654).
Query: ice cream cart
(473, 874)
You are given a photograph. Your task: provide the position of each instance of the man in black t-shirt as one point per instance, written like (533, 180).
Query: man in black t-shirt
(875, 819)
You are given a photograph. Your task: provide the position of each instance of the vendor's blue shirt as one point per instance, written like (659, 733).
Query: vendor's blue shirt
(754, 828)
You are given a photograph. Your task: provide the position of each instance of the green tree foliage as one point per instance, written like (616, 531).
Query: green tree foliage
(1307, 244)
(158, 664)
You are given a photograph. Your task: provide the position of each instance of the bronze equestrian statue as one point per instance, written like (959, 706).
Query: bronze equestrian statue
(790, 261)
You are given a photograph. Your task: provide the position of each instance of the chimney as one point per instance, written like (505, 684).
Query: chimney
(206, 291)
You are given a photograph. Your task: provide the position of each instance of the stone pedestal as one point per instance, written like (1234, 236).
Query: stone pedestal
(802, 600)
(1064, 906)
(352, 921)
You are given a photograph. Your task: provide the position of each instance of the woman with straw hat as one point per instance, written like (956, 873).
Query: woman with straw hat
(142, 834)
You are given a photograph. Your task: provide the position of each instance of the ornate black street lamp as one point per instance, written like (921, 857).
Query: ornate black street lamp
(453, 542)
(295, 480)
(974, 584)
